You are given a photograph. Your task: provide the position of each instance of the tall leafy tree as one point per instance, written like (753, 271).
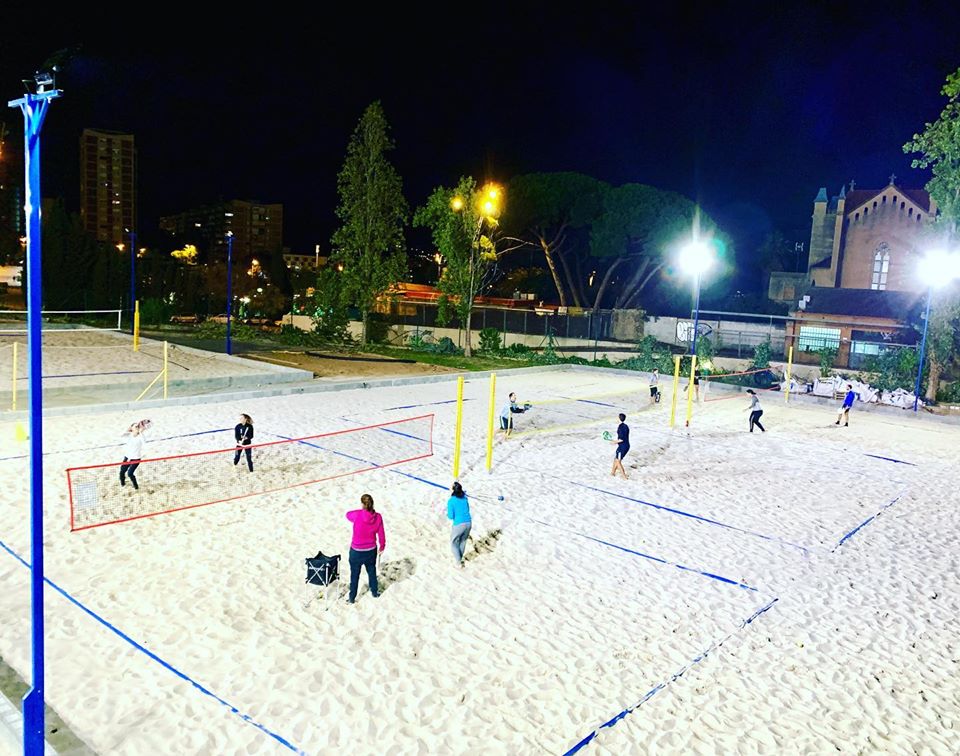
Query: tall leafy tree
(373, 213)
(635, 235)
(465, 228)
(546, 211)
(939, 150)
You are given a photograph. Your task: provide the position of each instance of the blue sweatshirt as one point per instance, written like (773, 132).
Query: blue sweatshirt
(848, 399)
(458, 510)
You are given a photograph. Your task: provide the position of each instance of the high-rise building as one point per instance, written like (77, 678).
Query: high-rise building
(12, 222)
(108, 184)
(256, 227)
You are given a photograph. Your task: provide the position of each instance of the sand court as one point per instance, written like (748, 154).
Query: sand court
(577, 603)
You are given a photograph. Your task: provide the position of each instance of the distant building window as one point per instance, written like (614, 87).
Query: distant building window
(881, 266)
(884, 201)
(910, 212)
(856, 217)
(815, 339)
(874, 204)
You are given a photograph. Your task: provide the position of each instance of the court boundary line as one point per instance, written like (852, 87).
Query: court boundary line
(675, 676)
(154, 657)
(870, 519)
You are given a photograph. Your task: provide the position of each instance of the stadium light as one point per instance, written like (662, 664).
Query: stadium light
(34, 106)
(696, 257)
(936, 270)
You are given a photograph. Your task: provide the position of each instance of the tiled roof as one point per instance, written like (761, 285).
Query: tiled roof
(858, 197)
(863, 302)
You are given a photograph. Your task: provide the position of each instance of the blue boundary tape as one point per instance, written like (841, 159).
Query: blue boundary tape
(650, 557)
(890, 459)
(692, 516)
(163, 663)
(675, 676)
(866, 522)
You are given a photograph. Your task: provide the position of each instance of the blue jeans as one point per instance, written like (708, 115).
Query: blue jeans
(360, 559)
(458, 540)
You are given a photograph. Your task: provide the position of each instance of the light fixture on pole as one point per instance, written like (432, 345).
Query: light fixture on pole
(229, 288)
(696, 257)
(937, 269)
(133, 279)
(34, 105)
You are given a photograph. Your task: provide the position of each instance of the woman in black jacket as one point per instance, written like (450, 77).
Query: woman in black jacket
(244, 435)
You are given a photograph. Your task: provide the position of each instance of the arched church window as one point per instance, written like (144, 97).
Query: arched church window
(884, 201)
(881, 266)
(874, 204)
(903, 205)
(910, 212)
(856, 217)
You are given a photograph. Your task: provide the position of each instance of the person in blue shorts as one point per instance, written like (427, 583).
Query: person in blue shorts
(623, 446)
(844, 412)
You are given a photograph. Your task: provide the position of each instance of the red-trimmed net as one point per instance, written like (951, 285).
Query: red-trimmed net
(187, 481)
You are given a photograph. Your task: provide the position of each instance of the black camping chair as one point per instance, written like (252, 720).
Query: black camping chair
(322, 571)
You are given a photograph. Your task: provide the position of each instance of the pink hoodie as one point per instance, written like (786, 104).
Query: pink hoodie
(367, 529)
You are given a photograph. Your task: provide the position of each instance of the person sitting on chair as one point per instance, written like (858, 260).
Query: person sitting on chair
(367, 533)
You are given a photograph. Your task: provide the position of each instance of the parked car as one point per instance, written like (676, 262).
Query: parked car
(185, 319)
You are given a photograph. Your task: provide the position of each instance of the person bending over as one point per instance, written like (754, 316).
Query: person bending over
(458, 510)
(506, 415)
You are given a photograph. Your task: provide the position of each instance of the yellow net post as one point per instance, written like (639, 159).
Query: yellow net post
(456, 440)
(166, 369)
(691, 388)
(490, 415)
(13, 381)
(676, 385)
(786, 395)
(136, 326)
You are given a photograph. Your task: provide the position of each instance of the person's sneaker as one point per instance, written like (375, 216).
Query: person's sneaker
(846, 425)
(837, 423)
(351, 601)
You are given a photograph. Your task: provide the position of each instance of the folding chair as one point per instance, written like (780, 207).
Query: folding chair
(322, 571)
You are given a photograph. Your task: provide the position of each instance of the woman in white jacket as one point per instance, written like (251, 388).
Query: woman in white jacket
(133, 451)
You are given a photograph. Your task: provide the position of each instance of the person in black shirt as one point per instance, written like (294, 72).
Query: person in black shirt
(623, 446)
(244, 435)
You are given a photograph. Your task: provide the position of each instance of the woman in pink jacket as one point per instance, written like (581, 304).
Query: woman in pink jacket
(367, 534)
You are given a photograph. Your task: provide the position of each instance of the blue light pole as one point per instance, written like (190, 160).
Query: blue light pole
(923, 350)
(34, 108)
(937, 269)
(133, 279)
(229, 288)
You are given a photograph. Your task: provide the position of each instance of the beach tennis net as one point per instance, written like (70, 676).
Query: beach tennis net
(14, 322)
(187, 481)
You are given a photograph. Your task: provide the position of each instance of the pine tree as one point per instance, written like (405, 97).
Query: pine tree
(370, 243)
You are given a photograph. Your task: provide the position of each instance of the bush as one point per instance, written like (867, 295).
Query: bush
(517, 350)
(827, 356)
(949, 392)
(293, 336)
(761, 355)
(330, 316)
(893, 368)
(444, 345)
(490, 340)
(155, 311)
(420, 340)
(377, 327)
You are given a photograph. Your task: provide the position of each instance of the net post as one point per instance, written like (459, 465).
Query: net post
(490, 414)
(166, 368)
(691, 388)
(676, 385)
(13, 381)
(786, 394)
(136, 326)
(459, 426)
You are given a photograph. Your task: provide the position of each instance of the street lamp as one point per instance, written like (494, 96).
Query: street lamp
(229, 288)
(34, 105)
(936, 270)
(133, 265)
(438, 259)
(696, 258)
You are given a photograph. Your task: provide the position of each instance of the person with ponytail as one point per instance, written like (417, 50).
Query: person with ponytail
(243, 433)
(368, 534)
(458, 510)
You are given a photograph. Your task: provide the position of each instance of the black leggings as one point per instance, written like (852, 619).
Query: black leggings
(129, 467)
(755, 420)
(241, 449)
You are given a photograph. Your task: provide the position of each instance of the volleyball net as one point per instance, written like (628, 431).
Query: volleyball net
(187, 481)
(14, 322)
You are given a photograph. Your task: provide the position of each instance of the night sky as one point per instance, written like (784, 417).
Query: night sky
(748, 111)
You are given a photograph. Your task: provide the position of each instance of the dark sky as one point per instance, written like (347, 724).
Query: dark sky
(748, 108)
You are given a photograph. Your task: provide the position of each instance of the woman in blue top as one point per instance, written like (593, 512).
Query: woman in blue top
(458, 510)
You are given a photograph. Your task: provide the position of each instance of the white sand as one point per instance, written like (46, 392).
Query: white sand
(548, 632)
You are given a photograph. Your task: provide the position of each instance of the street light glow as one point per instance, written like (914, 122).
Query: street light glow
(939, 268)
(457, 203)
(696, 257)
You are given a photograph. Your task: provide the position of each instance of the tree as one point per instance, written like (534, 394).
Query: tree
(545, 211)
(637, 231)
(373, 213)
(939, 150)
(465, 229)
